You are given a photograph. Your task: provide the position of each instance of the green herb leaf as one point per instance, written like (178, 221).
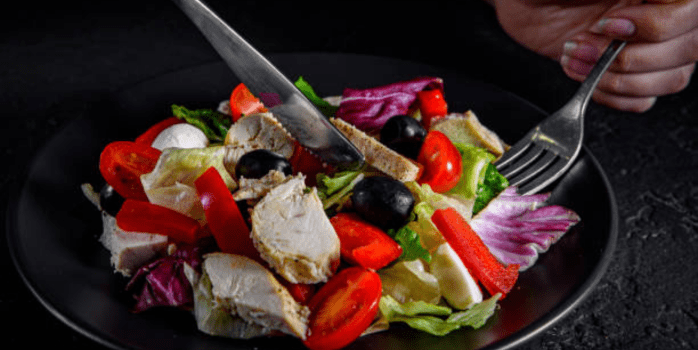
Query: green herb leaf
(325, 107)
(215, 125)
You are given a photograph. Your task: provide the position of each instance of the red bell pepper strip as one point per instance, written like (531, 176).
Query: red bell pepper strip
(432, 105)
(363, 244)
(228, 226)
(140, 216)
(152, 133)
(343, 308)
(484, 266)
(302, 161)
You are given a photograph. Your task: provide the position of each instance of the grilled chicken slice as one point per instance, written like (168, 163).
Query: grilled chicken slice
(293, 234)
(260, 130)
(377, 154)
(130, 250)
(251, 292)
(466, 128)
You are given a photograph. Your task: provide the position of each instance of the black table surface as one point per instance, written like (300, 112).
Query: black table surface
(57, 58)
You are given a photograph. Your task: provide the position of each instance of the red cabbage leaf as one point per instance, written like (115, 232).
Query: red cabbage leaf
(368, 109)
(517, 228)
(163, 282)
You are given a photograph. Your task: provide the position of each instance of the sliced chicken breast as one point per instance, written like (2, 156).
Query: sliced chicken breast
(293, 234)
(251, 292)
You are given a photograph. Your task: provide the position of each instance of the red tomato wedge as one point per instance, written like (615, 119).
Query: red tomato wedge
(123, 162)
(224, 218)
(302, 161)
(243, 102)
(484, 266)
(343, 308)
(441, 161)
(152, 133)
(364, 244)
(432, 105)
(139, 216)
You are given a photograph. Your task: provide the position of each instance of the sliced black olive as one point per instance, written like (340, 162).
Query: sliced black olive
(404, 135)
(110, 200)
(256, 164)
(383, 201)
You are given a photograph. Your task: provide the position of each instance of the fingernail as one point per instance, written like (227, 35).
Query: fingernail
(575, 65)
(581, 51)
(614, 26)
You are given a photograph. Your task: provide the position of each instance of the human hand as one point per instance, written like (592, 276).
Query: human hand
(659, 59)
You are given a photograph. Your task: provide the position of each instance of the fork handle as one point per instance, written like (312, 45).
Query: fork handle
(583, 94)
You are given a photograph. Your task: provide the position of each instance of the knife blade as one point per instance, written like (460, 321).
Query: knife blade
(296, 113)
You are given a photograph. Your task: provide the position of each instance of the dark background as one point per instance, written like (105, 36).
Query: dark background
(57, 58)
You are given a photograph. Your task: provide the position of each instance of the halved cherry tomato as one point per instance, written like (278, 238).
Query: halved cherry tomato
(432, 105)
(442, 162)
(224, 218)
(243, 102)
(343, 308)
(140, 216)
(364, 244)
(123, 162)
(152, 133)
(302, 161)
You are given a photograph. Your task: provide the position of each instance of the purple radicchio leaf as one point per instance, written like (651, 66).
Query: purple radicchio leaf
(517, 228)
(368, 109)
(164, 283)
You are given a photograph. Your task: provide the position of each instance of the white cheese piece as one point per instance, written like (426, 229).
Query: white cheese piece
(458, 287)
(180, 135)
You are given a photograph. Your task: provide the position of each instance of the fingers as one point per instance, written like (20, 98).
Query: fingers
(635, 92)
(637, 56)
(654, 21)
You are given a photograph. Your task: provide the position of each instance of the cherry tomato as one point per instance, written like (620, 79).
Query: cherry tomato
(224, 218)
(432, 105)
(364, 244)
(140, 216)
(243, 102)
(442, 162)
(152, 133)
(302, 161)
(343, 308)
(123, 162)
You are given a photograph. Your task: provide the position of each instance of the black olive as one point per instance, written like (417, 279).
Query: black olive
(383, 201)
(404, 135)
(110, 200)
(256, 164)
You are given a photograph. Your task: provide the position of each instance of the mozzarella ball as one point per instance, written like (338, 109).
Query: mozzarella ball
(180, 135)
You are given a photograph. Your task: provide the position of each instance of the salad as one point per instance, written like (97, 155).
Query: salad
(223, 214)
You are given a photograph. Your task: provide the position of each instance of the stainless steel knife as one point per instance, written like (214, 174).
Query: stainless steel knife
(296, 113)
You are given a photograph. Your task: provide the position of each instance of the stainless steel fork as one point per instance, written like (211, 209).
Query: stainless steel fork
(550, 148)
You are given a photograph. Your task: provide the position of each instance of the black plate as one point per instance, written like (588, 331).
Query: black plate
(53, 229)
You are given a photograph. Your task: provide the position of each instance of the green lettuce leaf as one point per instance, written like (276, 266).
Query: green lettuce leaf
(411, 245)
(325, 107)
(215, 125)
(334, 190)
(475, 162)
(430, 318)
(493, 183)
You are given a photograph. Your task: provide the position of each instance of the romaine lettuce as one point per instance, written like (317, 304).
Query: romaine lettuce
(430, 318)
